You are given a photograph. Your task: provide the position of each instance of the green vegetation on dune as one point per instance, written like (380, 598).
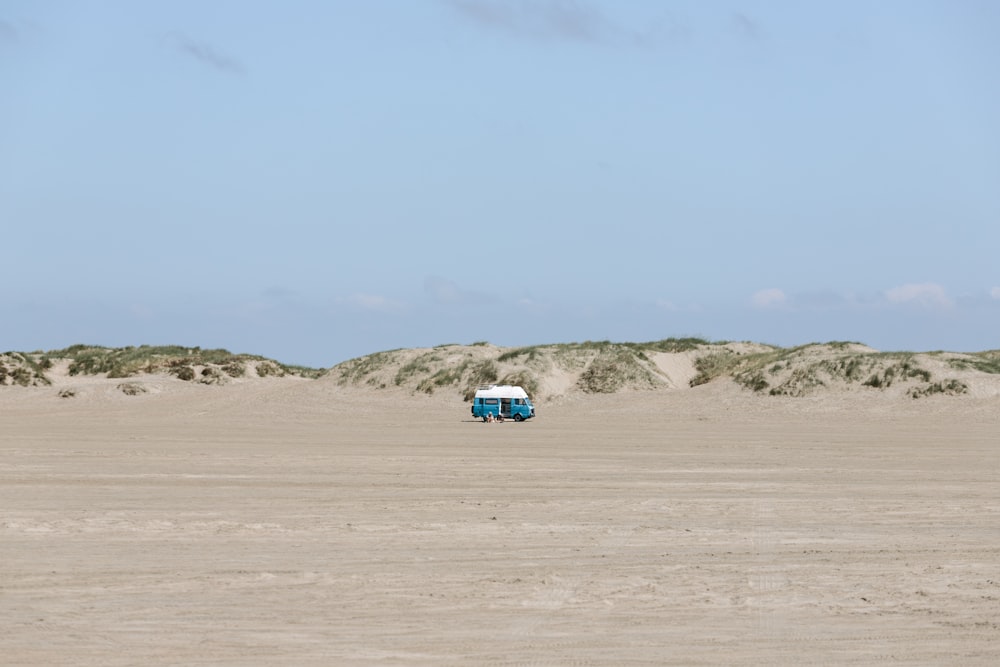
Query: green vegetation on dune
(712, 366)
(901, 368)
(415, 368)
(984, 362)
(365, 368)
(951, 387)
(24, 369)
(665, 345)
(592, 367)
(447, 376)
(617, 367)
(125, 362)
(801, 370)
(602, 366)
(674, 345)
(522, 378)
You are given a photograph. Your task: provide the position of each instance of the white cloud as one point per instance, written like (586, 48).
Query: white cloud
(444, 291)
(995, 292)
(769, 298)
(922, 294)
(374, 302)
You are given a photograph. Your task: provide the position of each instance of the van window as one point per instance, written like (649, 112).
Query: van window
(492, 401)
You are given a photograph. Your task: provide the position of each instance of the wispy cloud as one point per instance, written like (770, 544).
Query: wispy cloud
(995, 292)
(925, 295)
(444, 291)
(552, 19)
(746, 26)
(8, 33)
(769, 298)
(583, 22)
(206, 54)
(573, 21)
(929, 295)
(665, 304)
(374, 303)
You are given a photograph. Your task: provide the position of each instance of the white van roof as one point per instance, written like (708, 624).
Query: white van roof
(500, 391)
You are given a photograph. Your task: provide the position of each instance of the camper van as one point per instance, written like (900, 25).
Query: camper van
(502, 402)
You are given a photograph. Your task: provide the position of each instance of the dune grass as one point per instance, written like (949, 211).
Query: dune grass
(598, 366)
(798, 371)
(24, 369)
(984, 362)
(125, 362)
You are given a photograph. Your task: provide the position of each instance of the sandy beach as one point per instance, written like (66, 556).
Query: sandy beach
(291, 521)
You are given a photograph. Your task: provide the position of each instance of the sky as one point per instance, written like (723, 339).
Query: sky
(315, 181)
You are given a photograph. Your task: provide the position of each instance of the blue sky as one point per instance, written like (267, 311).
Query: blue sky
(314, 181)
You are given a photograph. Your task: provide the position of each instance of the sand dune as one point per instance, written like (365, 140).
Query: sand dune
(282, 520)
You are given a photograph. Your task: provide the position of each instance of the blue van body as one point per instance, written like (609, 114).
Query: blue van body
(502, 401)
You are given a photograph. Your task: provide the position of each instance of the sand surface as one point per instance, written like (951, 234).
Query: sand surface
(294, 522)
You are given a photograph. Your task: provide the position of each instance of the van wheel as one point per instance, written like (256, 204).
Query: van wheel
(484, 419)
(518, 418)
